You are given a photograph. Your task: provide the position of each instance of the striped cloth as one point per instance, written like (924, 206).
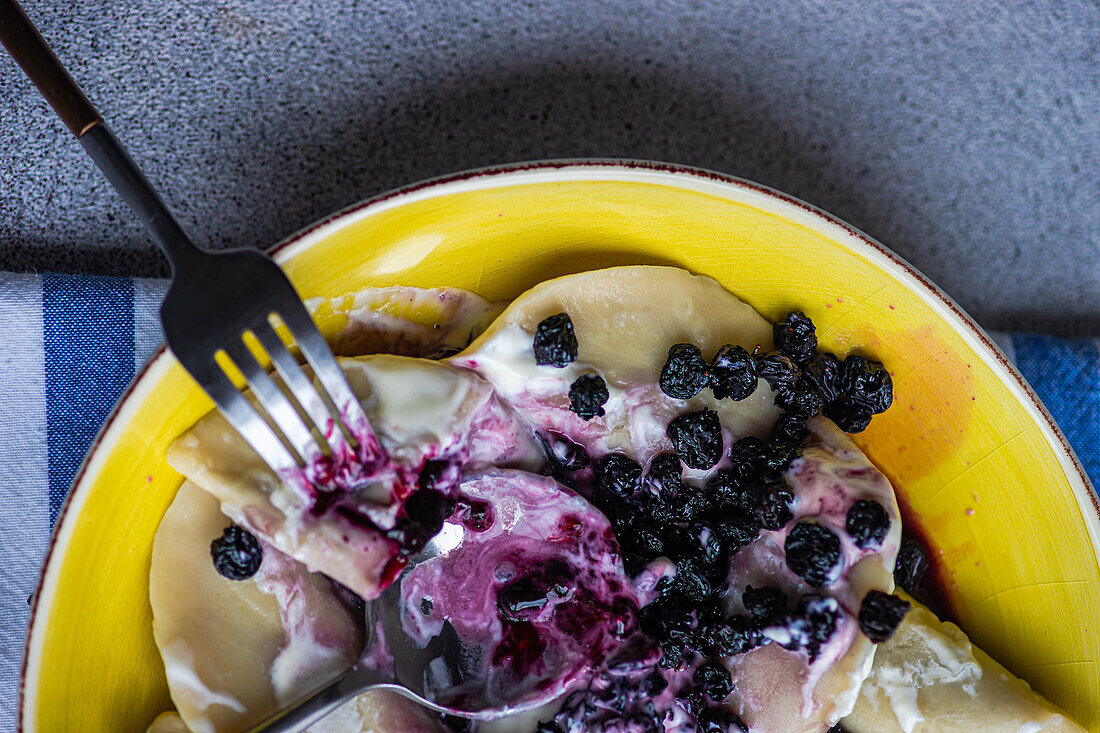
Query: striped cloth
(69, 345)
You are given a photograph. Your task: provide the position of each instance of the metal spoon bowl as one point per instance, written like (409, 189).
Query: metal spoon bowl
(411, 660)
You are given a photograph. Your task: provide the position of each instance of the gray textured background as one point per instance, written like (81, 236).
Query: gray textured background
(964, 135)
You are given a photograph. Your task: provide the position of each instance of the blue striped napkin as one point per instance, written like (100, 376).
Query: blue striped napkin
(69, 345)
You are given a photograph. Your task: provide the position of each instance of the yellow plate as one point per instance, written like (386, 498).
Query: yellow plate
(973, 454)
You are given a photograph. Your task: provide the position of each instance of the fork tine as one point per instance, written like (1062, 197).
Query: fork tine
(243, 416)
(278, 405)
(301, 386)
(328, 371)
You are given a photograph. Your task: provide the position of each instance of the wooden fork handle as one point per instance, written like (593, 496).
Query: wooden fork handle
(30, 51)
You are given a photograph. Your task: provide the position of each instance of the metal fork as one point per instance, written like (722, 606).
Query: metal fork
(217, 301)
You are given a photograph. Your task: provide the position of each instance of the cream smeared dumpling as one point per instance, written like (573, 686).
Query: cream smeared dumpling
(625, 320)
(791, 684)
(431, 420)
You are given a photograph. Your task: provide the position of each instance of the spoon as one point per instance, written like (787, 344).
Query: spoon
(411, 660)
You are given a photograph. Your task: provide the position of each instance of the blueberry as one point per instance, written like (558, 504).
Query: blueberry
(715, 680)
(704, 544)
(823, 372)
(728, 496)
(691, 582)
(618, 474)
(732, 373)
(777, 370)
(587, 396)
(425, 512)
(780, 454)
(813, 553)
(665, 473)
(735, 635)
(426, 606)
(848, 417)
(693, 699)
(748, 460)
(790, 631)
(666, 617)
(564, 452)
(672, 652)
(866, 384)
(867, 524)
(440, 476)
(802, 398)
(822, 614)
(911, 565)
(646, 541)
(697, 438)
(773, 505)
(555, 342)
(237, 554)
(684, 373)
(795, 336)
(719, 720)
(738, 530)
(790, 428)
(880, 613)
(688, 504)
(765, 602)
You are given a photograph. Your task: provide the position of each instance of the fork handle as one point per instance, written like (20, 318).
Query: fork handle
(33, 54)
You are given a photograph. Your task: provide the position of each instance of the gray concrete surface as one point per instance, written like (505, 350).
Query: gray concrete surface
(963, 134)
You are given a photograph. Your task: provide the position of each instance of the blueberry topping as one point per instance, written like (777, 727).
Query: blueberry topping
(714, 679)
(822, 614)
(792, 632)
(684, 373)
(773, 507)
(734, 635)
(880, 613)
(587, 396)
(719, 720)
(795, 336)
(665, 474)
(618, 474)
(424, 514)
(780, 454)
(749, 459)
(777, 370)
(738, 530)
(790, 428)
(764, 603)
(697, 438)
(727, 495)
(691, 581)
(848, 417)
(867, 524)
(439, 476)
(564, 452)
(555, 342)
(802, 398)
(237, 554)
(911, 565)
(813, 553)
(866, 384)
(823, 372)
(732, 373)
(672, 652)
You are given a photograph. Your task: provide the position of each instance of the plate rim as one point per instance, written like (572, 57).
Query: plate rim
(572, 169)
